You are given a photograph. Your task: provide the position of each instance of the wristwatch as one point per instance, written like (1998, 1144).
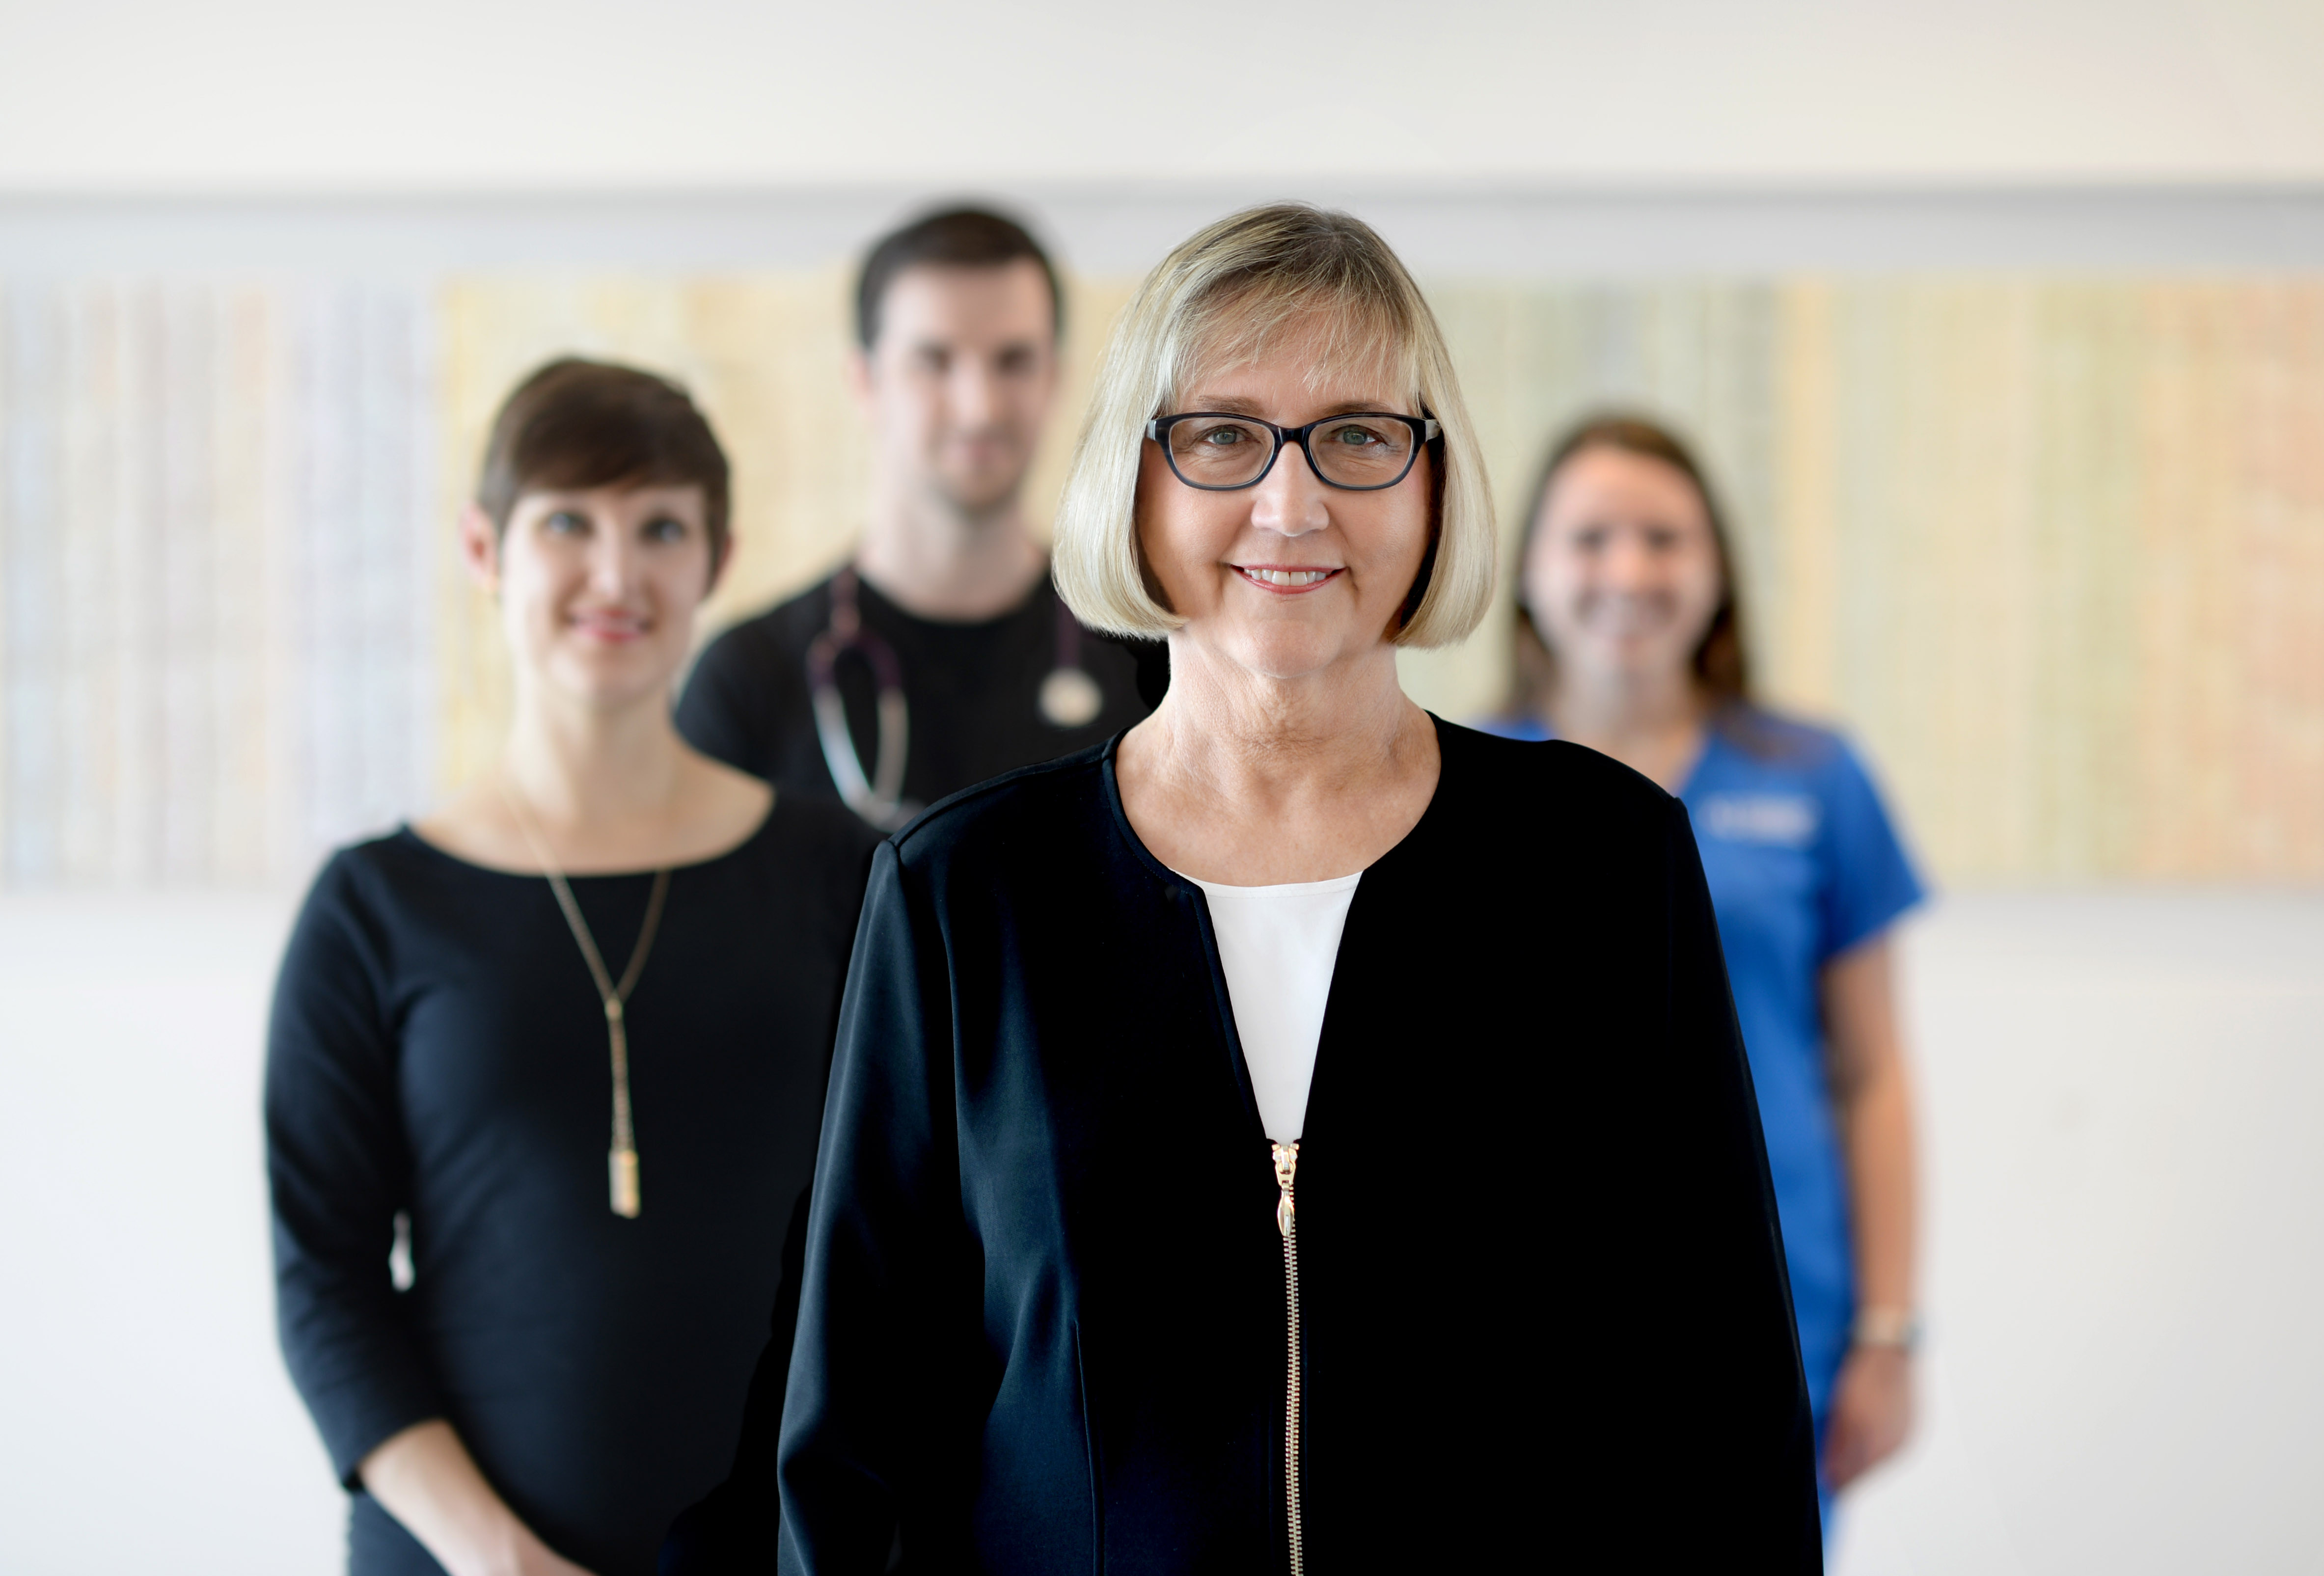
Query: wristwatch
(1897, 1329)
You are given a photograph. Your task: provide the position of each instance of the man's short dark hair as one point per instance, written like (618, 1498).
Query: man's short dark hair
(961, 238)
(576, 424)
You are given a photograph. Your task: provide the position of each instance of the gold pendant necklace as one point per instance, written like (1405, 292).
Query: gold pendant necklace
(621, 1159)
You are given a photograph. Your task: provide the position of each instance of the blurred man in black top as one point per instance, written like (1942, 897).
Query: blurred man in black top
(939, 654)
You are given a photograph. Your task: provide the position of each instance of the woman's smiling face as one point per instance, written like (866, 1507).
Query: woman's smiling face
(1288, 577)
(598, 587)
(1623, 575)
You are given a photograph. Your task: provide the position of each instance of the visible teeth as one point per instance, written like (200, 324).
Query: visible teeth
(1289, 576)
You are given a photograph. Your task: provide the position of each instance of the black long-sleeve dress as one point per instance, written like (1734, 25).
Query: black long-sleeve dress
(438, 1050)
(1544, 1321)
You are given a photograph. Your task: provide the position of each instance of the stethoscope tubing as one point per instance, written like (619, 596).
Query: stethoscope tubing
(1069, 697)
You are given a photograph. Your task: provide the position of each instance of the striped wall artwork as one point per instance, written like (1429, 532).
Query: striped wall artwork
(2052, 549)
(217, 528)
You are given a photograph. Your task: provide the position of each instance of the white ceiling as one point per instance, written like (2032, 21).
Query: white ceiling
(448, 96)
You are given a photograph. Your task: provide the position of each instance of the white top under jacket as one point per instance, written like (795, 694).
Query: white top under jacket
(1278, 946)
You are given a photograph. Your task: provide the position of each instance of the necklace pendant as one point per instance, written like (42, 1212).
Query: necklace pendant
(622, 1162)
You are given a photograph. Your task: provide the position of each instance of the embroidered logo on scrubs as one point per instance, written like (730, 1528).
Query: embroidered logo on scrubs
(1784, 820)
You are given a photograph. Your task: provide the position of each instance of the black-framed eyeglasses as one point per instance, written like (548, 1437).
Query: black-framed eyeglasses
(1362, 452)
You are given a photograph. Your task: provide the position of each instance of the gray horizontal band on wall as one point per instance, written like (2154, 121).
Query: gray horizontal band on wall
(1475, 233)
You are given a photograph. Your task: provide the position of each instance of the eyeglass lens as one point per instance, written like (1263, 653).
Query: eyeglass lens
(1354, 451)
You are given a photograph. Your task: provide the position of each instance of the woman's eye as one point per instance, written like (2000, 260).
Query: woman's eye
(1223, 436)
(565, 521)
(1355, 437)
(667, 529)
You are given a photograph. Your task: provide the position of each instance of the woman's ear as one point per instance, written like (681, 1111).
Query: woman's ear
(480, 548)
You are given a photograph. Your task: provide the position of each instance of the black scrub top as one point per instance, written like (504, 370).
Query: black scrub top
(1544, 1313)
(438, 1050)
(973, 690)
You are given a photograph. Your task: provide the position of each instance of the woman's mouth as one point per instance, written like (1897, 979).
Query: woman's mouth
(1629, 618)
(1284, 581)
(613, 627)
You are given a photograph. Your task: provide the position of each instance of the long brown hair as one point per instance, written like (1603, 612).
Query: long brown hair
(1719, 662)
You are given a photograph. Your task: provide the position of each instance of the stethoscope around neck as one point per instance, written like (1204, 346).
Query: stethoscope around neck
(1070, 698)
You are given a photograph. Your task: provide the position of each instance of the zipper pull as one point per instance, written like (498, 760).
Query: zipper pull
(1287, 1165)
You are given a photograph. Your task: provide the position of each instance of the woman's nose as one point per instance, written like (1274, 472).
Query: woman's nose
(1290, 498)
(1629, 563)
(611, 560)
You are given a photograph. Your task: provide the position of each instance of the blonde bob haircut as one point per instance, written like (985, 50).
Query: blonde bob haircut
(1252, 282)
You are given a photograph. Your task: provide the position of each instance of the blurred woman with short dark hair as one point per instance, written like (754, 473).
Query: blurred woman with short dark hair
(1630, 641)
(566, 1039)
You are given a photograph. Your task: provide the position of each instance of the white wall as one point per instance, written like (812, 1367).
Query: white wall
(436, 94)
(2125, 1200)
(148, 1423)
(1097, 229)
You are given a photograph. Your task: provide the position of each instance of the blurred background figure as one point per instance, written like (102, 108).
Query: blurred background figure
(1629, 639)
(939, 654)
(559, 1364)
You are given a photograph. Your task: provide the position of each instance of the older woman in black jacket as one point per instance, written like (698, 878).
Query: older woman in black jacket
(1300, 1131)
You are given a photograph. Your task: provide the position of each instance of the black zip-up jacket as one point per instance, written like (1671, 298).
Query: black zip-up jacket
(1545, 1323)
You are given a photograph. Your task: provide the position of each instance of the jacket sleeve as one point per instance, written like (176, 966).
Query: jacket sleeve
(889, 1380)
(1739, 1439)
(338, 1171)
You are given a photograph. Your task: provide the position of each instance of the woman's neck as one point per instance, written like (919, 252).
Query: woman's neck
(606, 791)
(1250, 733)
(584, 771)
(1253, 781)
(609, 791)
(1653, 724)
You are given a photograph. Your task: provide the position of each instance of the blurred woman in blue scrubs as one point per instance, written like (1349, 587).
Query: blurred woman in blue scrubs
(1630, 642)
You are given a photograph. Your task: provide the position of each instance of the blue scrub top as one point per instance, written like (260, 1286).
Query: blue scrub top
(1802, 863)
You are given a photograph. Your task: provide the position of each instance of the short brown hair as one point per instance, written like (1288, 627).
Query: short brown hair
(959, 237)
(575, 424)
(1719, 664)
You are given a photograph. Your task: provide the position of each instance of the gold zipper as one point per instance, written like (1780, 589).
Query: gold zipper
(1287, 1221)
